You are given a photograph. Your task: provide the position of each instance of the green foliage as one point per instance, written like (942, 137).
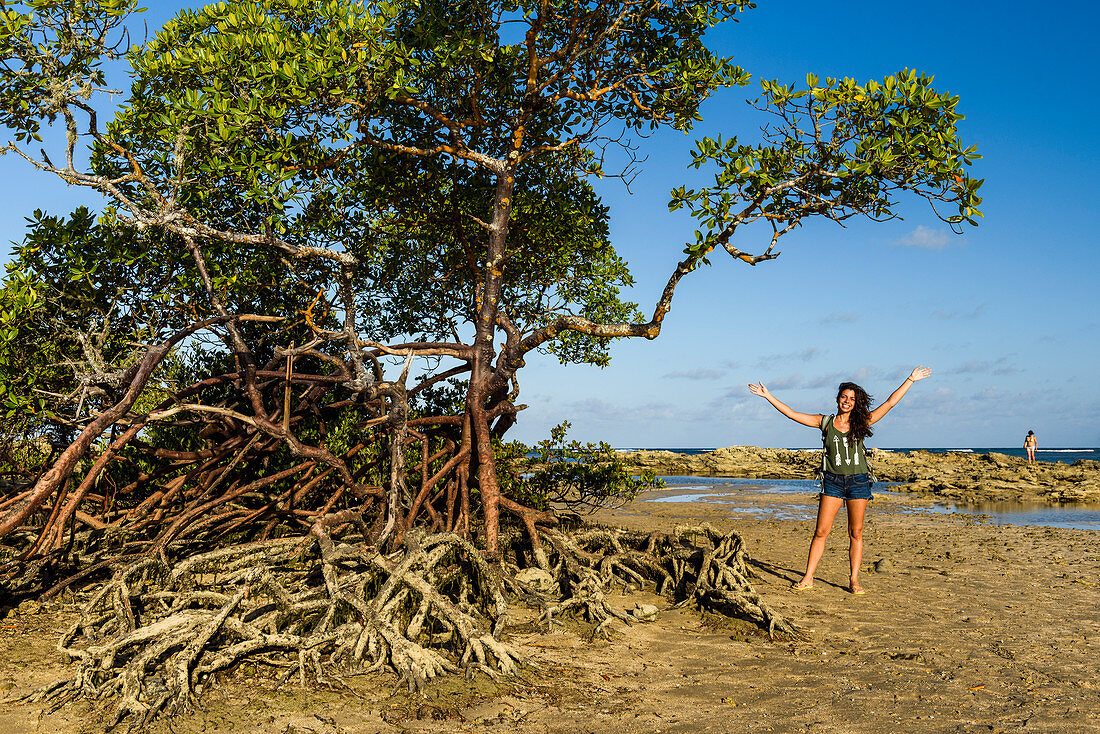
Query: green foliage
(255, 115)
(837, 149)
(248, 99)
(21, 303)
(568, 475)
(53, 49)
(443, 398)
(77, 300)
(420, 262)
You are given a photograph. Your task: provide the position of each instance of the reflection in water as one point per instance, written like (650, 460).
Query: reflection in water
(691, 498)
(780, 512)
(759, 485)
(1083, 517)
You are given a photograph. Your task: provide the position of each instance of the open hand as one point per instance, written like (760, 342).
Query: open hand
(920, 373)
(759, 389)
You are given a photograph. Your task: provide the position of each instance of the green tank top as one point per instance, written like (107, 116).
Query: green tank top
(840, 456)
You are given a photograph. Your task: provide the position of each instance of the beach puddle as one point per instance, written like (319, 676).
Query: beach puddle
(691, 498)
(1014, 513)
(730, 492)
(802, 486)
(735, 495)
(739, 506)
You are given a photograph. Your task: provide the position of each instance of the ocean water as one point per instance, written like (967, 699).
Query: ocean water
(1052, 455)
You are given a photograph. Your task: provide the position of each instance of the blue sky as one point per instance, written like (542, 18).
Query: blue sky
(1007, 315)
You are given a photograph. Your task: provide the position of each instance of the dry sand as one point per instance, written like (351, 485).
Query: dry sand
(977, 627)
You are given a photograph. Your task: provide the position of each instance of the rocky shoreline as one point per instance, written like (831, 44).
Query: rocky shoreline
(962, 477)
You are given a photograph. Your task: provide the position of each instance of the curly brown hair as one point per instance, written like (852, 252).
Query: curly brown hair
(859, 422)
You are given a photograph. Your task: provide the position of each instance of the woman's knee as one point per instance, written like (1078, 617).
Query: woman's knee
(855, 532)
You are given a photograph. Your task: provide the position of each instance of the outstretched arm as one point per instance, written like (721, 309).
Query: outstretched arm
(917, 374)
(806, 419)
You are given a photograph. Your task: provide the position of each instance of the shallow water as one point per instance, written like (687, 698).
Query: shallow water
(779, 512)
(1082, 517)
(803, 486)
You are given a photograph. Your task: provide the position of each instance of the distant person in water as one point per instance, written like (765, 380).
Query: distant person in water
(846, 479)
(1030, 444)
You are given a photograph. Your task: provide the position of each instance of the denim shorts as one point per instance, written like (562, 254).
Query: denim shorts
(847, 486)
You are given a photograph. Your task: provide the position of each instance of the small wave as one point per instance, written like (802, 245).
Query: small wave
(960, 451)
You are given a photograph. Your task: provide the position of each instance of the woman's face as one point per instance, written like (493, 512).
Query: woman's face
(847, 401)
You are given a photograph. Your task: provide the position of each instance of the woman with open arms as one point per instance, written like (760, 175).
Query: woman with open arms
(846, 477)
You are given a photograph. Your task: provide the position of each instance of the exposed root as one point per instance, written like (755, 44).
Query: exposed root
(318, 605)
(155, 633)
(694, 565)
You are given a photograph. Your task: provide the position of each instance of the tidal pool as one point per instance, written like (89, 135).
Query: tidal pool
(1082, 517)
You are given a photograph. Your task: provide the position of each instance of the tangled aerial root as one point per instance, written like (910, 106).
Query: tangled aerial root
(321, 605)
(694, 565)
(154, 634)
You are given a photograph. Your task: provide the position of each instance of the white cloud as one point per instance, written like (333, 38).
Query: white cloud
(1001, 366)
(838, 317)
(952, 315)
(734, 400)
(787, 382)
(603, 412)
(696, 374)
(926, 238)
(860, 376)
(771, 360)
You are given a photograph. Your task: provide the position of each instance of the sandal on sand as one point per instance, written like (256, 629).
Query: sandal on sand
(857, 592)
(800, 587)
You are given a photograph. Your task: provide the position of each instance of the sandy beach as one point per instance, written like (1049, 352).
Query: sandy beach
(969, 626)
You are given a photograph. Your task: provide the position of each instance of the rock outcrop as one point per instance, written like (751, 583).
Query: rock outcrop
(958, 476)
